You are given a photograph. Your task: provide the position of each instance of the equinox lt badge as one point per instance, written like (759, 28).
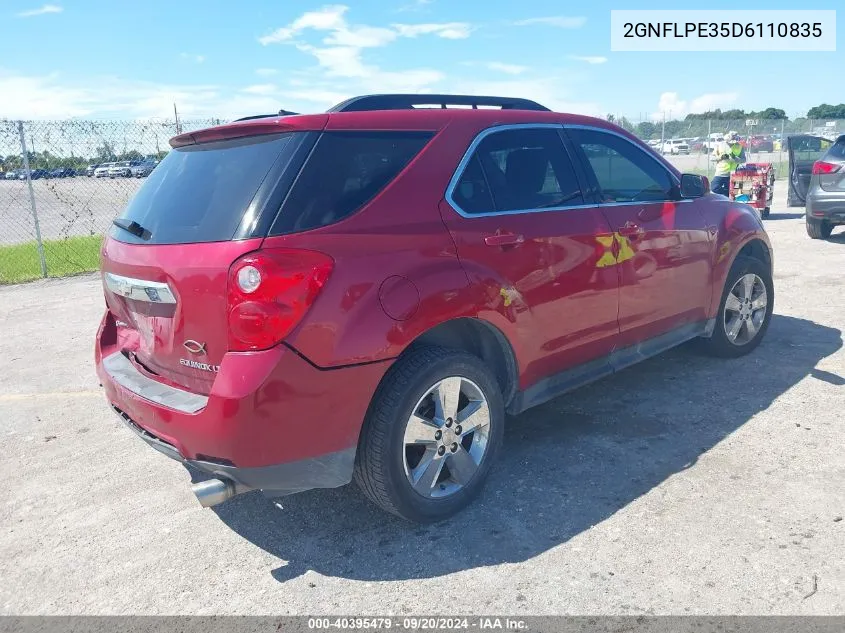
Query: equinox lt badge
(197, 365)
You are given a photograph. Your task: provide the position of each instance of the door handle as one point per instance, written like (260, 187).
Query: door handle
(504, 239)
(631, 230)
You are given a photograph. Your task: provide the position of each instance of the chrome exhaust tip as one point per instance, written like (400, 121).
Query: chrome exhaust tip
(213, 492)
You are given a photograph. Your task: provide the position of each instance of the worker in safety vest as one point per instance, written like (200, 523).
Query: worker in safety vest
(729, 155)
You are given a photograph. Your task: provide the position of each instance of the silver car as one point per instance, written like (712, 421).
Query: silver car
(824, 174)
(123, 169)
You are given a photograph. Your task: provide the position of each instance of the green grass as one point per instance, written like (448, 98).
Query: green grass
(70, 256)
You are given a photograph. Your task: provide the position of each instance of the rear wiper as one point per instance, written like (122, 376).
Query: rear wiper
(132, 227)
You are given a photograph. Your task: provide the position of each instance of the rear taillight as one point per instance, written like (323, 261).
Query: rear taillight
(269, 293)
(821, 167)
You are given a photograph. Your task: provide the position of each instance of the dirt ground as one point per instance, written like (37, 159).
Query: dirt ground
(683, 485)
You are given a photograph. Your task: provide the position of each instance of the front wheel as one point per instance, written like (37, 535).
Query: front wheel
(431, 435)
(745, 310)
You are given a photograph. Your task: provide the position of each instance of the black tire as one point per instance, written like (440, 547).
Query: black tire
(719, 344)
(765, 213)
(379, 463)
(819, 229)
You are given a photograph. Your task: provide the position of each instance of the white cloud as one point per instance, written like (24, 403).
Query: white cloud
(47, 8)
(98, 97)
(340, 50)
(332, 18)
(547, 91)
(339, 68)
(416, 5)
(261, 89)
(447, 30)
(589, 59)
(509, 69)
(674, 107)
(560, 21)
(328, 18)
(361, 37)
(199, 59)
(42, 98)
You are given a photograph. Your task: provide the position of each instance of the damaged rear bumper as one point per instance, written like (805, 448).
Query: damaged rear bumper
(326, 471)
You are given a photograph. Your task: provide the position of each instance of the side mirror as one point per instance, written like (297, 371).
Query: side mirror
(694, 186)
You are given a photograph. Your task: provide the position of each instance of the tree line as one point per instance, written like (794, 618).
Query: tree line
(47, 160)
(700, 124)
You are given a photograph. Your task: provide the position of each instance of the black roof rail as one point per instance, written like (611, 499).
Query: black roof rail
(409, 101)
(266, 116)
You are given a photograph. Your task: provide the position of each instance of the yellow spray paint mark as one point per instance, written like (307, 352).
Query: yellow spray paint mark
(625, 250)
(607, 258)
(506, 296)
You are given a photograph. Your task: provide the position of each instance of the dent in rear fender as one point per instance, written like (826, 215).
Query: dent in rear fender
(350, 325)
(738, 227)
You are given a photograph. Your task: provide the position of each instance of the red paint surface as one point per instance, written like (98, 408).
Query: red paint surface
(548, 294)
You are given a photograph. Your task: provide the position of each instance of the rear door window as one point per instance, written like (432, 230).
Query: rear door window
(343, 173)
(199, 193)
(518, 170)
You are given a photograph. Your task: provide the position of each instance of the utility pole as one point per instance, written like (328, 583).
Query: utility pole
(663, 132)
(708, 144)
(176, 116)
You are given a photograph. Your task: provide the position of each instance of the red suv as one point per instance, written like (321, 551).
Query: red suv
(297, 301)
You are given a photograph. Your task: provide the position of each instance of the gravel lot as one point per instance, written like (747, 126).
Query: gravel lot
(65, 206)
(685, 485)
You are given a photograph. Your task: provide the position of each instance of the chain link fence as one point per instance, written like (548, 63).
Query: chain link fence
(62, 182)
(688, 144)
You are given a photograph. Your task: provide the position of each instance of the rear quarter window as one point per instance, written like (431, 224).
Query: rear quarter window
(343, 173)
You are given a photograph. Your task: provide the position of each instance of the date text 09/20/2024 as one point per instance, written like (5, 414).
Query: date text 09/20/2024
(419, 623)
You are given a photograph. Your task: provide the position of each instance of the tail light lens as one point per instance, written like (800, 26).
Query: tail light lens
(821, 167)
(269, 293)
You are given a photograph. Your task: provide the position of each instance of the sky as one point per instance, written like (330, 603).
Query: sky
(121, 60)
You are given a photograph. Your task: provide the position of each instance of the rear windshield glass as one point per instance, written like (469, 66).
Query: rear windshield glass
(344, 172)
(200, 193)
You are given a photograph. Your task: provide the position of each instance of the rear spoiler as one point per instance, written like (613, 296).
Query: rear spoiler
(253, 126)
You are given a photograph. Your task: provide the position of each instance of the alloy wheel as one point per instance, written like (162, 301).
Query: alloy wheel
(745, 309)
(446, 437)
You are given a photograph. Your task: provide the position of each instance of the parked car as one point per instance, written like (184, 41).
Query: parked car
(675, 146)
(102, 170)
(122, 169)
(143, 169)
(62, 172)
(89, 171)
(281, 326)
(35, 174)
(760, 143)
(13, 174)
(825, 195)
